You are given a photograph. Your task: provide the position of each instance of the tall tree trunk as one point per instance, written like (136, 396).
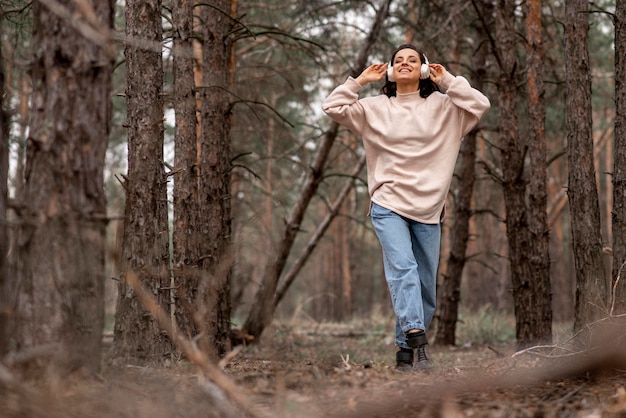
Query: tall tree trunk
(187, 200)
(211, 234)
(531, 323)
(591, 283)
(145, 247)
(268, 204)
(450, 294)
(24, 94)
(539, 251)
(262, 312)
(62, 233)
(4, 235)
(619, 163)
(512, 163)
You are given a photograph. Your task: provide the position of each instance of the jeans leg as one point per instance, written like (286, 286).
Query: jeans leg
(426, 247)
(400, 270)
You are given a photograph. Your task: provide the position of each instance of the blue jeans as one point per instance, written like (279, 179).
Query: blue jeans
(410, 258)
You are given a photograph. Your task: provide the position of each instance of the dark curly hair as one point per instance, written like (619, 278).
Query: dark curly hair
(426, 87)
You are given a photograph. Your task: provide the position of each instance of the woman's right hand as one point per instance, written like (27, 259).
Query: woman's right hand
(374, 72)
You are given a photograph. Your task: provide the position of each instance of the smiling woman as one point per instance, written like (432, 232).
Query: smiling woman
(408, 62)
(416, 70)
(411, 135)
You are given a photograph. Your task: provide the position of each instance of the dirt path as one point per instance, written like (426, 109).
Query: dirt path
(329, 372)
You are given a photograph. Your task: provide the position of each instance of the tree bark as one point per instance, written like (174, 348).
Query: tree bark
(591, 282)
(4, 233)
(262, 312)
(187, 201)
(512, 160)
(207, 263)
(619, 164)
(532, 324)
(62, 225)
(539, 251)
(145, 245)
(449, 296)
(450, 292)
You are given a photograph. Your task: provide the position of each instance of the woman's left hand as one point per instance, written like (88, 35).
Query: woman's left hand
(437, 72)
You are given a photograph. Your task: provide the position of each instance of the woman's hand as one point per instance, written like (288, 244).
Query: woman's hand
(374, 72)
(437, 72)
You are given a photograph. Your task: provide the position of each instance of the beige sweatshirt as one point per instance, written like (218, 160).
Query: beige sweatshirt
(411, 143)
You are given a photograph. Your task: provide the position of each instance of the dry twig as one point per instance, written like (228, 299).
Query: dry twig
(229, 356)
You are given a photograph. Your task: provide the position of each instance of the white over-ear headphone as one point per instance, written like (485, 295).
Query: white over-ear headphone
(424, 70)
(390, 76)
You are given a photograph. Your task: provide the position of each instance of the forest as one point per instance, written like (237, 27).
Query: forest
(184, 232)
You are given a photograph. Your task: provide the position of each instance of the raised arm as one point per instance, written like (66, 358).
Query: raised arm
(470, 101)
(343, 105)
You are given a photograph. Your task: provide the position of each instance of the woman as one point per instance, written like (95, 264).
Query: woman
(411, 135)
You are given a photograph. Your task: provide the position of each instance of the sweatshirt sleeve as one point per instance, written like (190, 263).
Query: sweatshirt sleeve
(471, 102)
(343, 106)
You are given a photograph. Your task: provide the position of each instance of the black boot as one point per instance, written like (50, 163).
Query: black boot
(404, 358)
(419, 341)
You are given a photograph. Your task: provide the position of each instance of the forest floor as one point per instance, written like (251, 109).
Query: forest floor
(337, 370)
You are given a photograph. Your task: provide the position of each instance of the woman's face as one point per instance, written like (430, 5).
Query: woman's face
(406, 65)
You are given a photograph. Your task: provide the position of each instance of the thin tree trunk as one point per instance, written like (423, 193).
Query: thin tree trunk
(330, 281)
(62, 225)
(591, 282)
(344, 266)
(331, 309)
(531, 323)
(8, 291)
(145, 247)
(409, 32)
(619, 163)
(450, 293)
(186, 193)
(24, 94)
(262, 312)
(539, 251)
(4, 232)
(512, 162)
(563, 300)
(211, 235)
(268, 212)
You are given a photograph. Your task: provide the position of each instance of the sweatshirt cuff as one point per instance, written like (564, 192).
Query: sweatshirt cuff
(353, 84)
(446, 81)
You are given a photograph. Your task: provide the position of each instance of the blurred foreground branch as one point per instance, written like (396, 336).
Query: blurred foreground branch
(219, 386)
(605, 356)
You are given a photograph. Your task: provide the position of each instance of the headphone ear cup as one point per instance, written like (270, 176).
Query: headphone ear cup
(390, 73)
(425, 69)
